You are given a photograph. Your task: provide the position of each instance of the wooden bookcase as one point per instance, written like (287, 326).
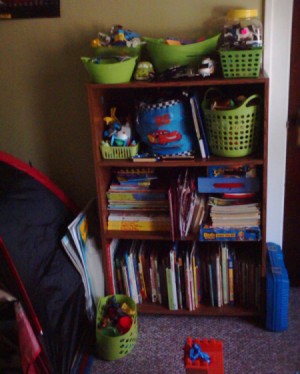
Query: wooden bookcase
(102, 97)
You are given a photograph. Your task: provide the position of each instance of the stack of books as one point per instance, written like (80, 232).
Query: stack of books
(137, 203)
(234, 213)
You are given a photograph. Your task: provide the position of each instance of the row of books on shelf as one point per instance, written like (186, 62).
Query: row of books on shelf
(138, 200)
(183, 275)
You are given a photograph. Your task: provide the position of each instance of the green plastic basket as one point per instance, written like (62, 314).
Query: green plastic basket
(233, 132)
(118, 152)
(112, 51)
(114, 347)
(109, 71)
(164, 56)
(241, 64)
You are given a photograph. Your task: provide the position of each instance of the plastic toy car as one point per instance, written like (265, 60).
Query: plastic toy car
(164, 137)
(207, 67)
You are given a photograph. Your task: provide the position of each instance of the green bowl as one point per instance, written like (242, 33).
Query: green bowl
(112, 51)
(109, 70)
(164, 56)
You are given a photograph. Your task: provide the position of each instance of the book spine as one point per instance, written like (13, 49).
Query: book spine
(125, 279)
(135, 280)
(173, 279)
(152, 280)
(139, 226)
(219, 282)
(136, 196)
(224, 261)
(178, 285)
(211, 284)
(142, 278)
(170, 291)
(195, 285)
(157, 280)
(110, 251)
(231, 278)
(120, 288)
(129, 275)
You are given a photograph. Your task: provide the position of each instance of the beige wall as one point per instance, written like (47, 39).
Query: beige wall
(43, 105)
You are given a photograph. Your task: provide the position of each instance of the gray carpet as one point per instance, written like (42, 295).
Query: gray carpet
(248, 348)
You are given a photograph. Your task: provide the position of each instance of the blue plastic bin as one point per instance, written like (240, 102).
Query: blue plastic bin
(278, 287)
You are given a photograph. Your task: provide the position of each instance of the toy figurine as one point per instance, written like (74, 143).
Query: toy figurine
(207, 67)
(144, 71)
(196, 352)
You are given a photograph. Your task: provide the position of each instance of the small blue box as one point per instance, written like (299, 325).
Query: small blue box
(223, 185)
(278, 287)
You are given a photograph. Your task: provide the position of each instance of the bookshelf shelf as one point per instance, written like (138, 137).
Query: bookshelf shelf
(101, 98)
(197, 162)
(203, 310)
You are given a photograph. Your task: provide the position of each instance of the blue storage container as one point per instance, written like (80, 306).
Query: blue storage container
(278, 287)
(166, 127)
(223, 185)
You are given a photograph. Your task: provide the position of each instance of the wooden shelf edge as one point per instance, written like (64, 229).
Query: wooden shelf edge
(155, 235)
(217, 80)
(203, 310)
(198, 162)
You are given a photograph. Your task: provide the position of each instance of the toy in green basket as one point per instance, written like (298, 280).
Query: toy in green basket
(117, 318)
(116, 133)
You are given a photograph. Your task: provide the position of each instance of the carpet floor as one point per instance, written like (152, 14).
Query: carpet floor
(248, 348)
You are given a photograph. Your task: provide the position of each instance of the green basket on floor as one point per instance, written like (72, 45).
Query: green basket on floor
(114, 347)
(241, 64)
(232, 132)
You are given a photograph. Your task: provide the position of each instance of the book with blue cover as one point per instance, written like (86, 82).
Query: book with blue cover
(201, 125)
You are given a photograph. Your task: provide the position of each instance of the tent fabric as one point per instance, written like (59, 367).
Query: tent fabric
(34, 214)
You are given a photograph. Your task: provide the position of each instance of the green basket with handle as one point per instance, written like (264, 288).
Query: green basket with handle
(232, 132)
(114, 347)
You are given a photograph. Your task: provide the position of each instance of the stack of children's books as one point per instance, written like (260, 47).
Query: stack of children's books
(136, 202)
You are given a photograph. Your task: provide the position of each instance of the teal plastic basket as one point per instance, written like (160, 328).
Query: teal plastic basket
(233, 132)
